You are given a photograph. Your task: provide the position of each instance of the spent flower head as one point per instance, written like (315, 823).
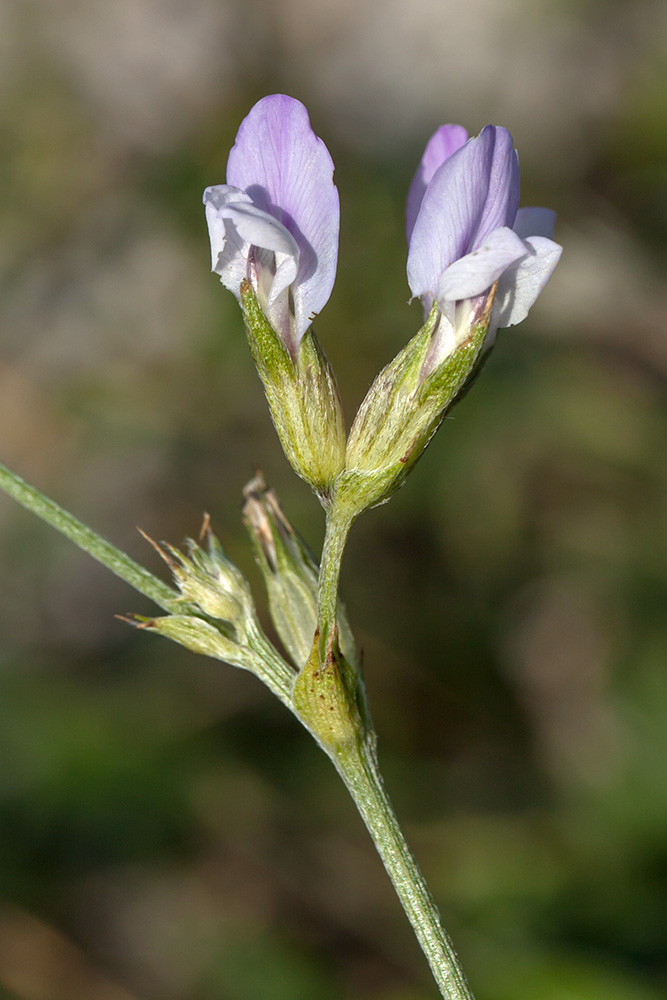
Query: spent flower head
(215, 614)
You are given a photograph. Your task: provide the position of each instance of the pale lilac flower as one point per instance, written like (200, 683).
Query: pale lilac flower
(275, 222)
(466, 231)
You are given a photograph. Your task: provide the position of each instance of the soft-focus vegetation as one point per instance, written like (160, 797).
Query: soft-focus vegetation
(168, 832)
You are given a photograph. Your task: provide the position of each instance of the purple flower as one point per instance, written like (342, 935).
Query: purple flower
(275, 222)
(466, 231)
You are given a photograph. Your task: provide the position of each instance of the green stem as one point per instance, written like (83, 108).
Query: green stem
(88, 540)
(275, 672)
(338, 526)
(357, 766)
(359, 771)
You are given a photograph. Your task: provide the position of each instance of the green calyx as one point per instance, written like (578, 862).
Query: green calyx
(303, 398)
(208, 579)
(401, 413)
(200, 636)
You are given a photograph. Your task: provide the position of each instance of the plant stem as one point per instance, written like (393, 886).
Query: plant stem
(88, 540)
(338, 526)
(359, 770)
(275, 673)
(357, 765)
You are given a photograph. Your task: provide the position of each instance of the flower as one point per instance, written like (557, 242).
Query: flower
(275, 222)
(466, 232)
(274, 242)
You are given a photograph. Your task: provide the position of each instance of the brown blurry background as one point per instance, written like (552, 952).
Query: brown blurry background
(167, 832)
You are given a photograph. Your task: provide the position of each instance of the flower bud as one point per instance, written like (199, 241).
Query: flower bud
(216, 615)
(210, 580)
(290, 574)
(302, 395)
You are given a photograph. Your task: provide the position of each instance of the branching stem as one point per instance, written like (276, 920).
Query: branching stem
(357, 765)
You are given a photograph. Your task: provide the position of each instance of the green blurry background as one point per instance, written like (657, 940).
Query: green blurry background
(167, 831)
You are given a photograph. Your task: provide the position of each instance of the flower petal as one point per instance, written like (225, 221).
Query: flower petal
(439, 148)
(260, 229)
(474, 192)
(534, 222)
(229, 252)
(288, 172)
(523, 281)
(476, 272)
(502, 198)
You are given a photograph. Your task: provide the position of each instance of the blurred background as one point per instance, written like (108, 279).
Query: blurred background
(167, 831)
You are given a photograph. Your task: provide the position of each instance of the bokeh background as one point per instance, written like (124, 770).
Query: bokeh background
(167, 832)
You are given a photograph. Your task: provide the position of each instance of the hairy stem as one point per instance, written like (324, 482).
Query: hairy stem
(337, 530)
(356, 764)
(275, 672)
(358, 769)
(88, 540)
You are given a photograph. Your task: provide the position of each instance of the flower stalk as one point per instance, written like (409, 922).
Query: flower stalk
(338, 524)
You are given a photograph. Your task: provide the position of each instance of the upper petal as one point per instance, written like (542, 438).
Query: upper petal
(473, 274)
(445, 141)
(502, 197)
(474, 192)
(523, 281)
(288, 172)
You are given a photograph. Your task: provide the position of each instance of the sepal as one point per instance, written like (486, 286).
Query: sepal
(209, 579)
(302, 395)
(203, 637)
(402, 411)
